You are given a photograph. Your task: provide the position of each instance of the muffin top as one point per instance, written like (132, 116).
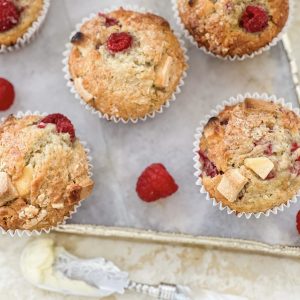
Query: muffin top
(16, 16)
(43, 171)
(250, 155)
(233, 27)
(126, 64)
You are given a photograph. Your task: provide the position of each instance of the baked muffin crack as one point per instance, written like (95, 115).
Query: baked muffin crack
(44, 170)
(121, 67)
(233, 27)
(250, 156)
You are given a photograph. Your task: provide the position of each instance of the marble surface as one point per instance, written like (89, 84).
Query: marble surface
(120, 152)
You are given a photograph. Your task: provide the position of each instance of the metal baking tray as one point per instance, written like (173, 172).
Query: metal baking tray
(120, 152)
(140, 236)
(244, 268)
(254, 270)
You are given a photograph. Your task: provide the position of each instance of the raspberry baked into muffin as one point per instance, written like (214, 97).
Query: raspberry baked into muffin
(126, 64)
(233, 27)
(43, 171)
(16, 17)
(250, 156)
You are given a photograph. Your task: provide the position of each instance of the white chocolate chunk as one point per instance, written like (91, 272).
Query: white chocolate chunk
(4, 184)
(163, 73)
(32, 222)
(28, 212)
(57, 205)
(7, 191)
(262, 166)
(81, 90)
(296, 154)
(231, 184)
(23, 184)
(84, 51)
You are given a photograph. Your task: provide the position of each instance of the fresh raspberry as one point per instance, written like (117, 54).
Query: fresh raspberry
(254, 19)
(108, 20)
(208, 167)
(9, 15)
(7, 94)
(119, 41)
(63, 124)
(269, 150)
(154, 183)
(294, 147)
(298, 221)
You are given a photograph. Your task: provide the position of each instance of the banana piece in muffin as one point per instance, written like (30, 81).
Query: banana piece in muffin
(126, 64)
(233, 27)
(44, 171)
(250, 156)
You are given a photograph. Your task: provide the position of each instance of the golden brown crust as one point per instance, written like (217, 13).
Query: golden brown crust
(48, 173)
(254, 129)
(132, 83)
(215, 24)
(31, 10)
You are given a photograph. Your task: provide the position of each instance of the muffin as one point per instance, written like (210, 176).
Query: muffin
(16, 18)
(44, 171)
(126, 64)
(250, 156)
(233, 28)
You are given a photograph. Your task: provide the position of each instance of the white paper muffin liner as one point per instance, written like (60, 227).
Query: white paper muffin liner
(101, 115)
(274, 42)
(21, 232)
(198, 166)
(31, 32)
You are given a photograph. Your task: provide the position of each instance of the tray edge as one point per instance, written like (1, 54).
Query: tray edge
(138, 235)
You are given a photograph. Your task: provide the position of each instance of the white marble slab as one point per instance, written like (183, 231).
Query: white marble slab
(121, 151)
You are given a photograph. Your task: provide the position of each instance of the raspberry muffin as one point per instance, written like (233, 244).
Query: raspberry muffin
(43, 171)
(126, 64)
(233, 27)
(250, 156)
(16, 17)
